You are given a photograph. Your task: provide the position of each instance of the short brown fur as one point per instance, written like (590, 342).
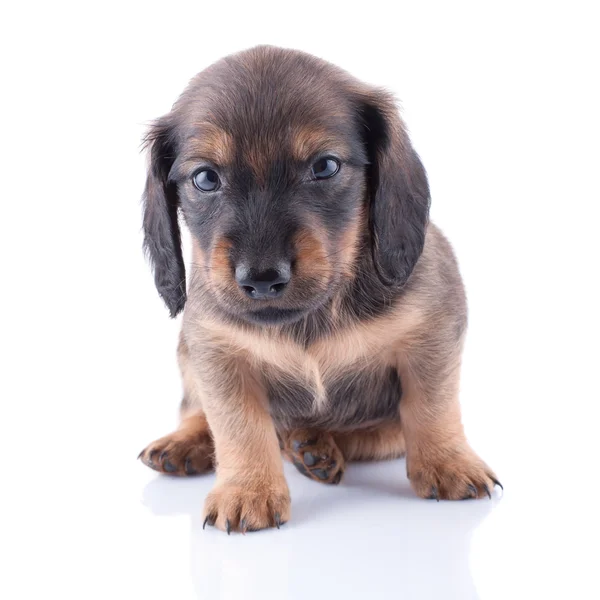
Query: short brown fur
(371, 368)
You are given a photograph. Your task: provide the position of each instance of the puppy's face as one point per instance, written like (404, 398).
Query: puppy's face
(272, 190)
(273, 157)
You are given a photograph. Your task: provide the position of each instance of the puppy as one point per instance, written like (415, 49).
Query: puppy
(324, 315)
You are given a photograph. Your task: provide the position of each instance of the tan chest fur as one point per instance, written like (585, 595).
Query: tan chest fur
(355, 347)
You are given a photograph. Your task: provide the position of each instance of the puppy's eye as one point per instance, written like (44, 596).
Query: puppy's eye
(325, 168)
(206, 180)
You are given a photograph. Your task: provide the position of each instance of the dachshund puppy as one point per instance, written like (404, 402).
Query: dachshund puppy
(324, 315)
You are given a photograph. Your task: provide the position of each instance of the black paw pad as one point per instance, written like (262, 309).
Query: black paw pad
(309, 459)
(169, 467)
(189, 469)
(320, 473)
(301, 467)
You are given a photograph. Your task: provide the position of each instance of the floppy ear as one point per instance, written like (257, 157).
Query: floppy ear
(398, 189)
(162, 238)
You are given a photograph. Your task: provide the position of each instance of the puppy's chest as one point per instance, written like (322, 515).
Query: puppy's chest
(351, 398)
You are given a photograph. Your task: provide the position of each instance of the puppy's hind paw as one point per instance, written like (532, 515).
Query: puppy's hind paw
(315, 455)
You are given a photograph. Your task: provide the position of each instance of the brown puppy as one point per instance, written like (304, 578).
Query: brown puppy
(325, 315)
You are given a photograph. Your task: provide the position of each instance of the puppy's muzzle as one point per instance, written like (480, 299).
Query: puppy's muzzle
(265, 284)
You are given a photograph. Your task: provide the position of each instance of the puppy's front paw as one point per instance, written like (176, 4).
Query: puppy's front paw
(233, 507)
(451, 475)
(183, 452)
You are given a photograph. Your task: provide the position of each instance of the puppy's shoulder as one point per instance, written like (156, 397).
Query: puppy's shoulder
(437, 265)
(436, 284)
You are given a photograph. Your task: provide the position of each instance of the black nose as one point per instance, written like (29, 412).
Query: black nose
(263, 284)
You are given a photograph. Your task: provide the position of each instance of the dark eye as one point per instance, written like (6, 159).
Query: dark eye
(325, 167)
(206, 180)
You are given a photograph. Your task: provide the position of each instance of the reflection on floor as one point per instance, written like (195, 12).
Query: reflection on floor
(372, 526)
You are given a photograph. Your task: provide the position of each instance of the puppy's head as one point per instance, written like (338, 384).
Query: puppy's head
(290, 174)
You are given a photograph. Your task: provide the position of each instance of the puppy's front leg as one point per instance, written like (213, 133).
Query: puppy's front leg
(251, 492)
(440, 462)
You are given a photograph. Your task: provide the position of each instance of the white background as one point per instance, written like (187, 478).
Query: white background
(503, 104)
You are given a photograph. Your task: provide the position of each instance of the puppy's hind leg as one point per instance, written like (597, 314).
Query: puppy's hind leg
(322, 456)
(383, 442)
(189, 450)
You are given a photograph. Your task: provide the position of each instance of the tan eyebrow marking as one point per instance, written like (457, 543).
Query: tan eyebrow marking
(308, 141)
(211, 142)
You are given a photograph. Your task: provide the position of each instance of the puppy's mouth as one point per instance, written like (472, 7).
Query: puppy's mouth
(274, 316)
